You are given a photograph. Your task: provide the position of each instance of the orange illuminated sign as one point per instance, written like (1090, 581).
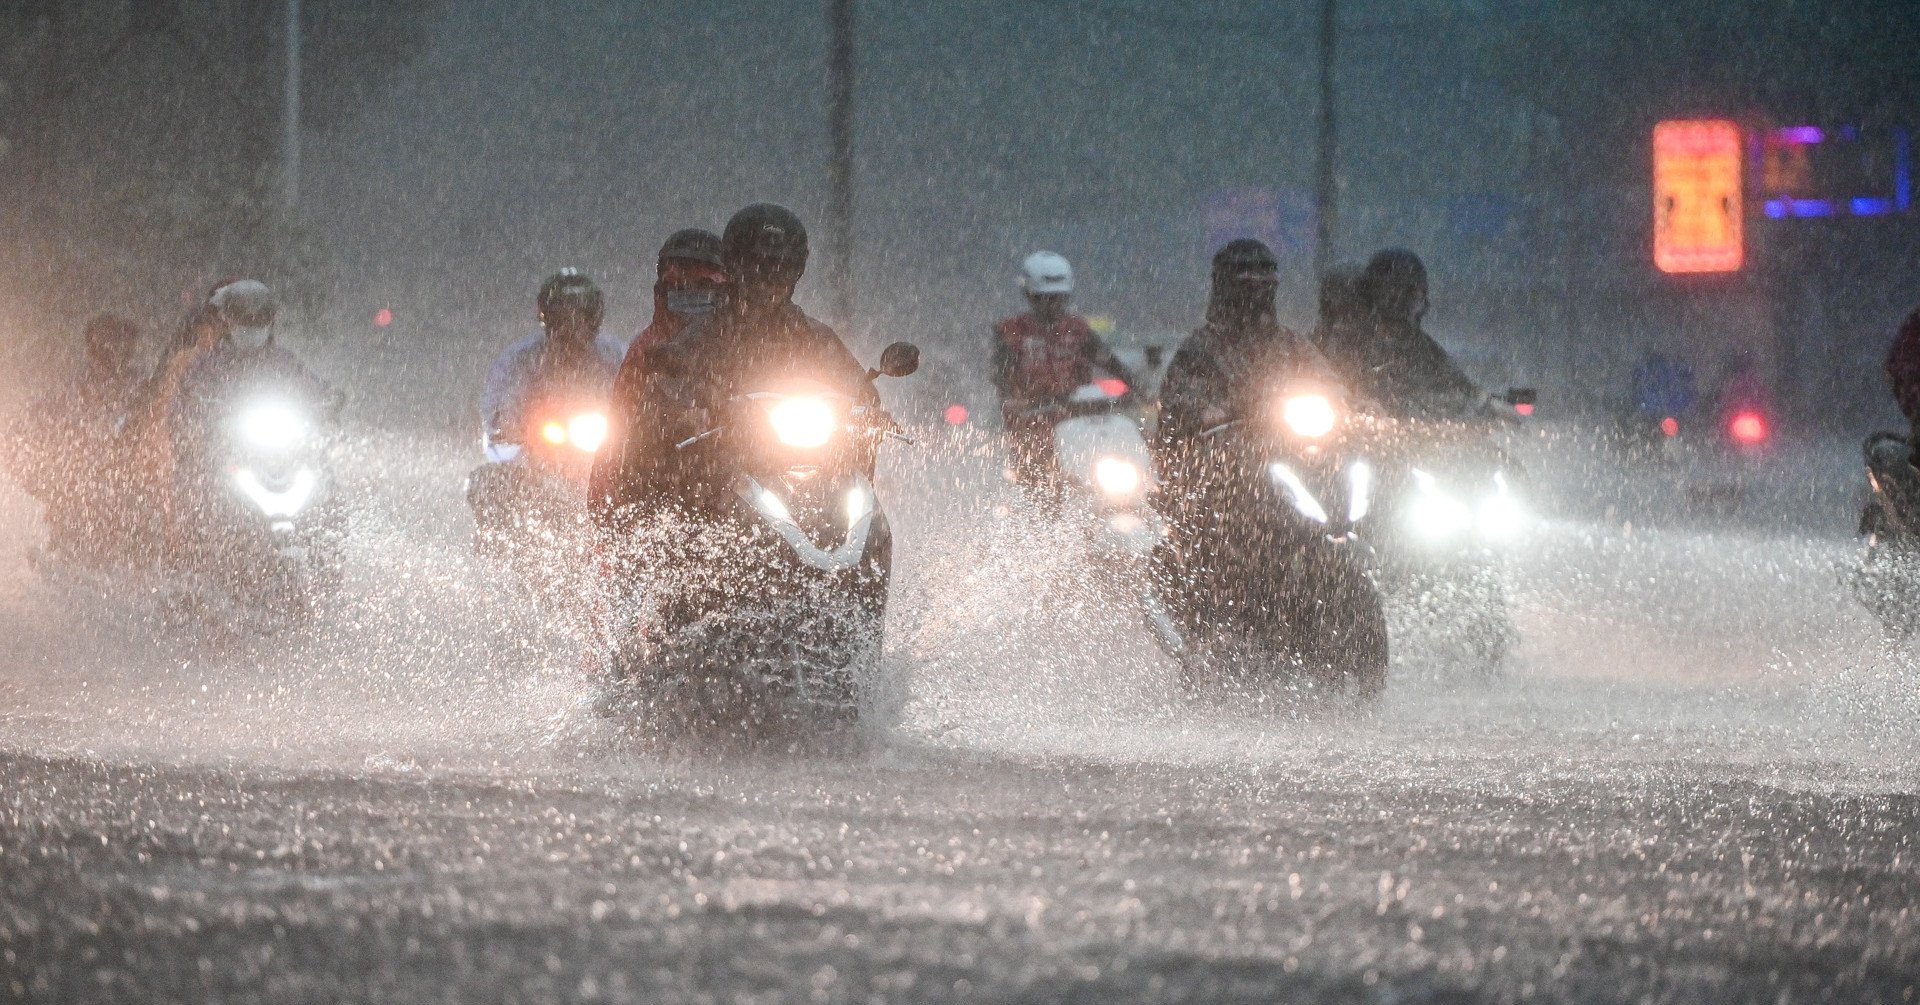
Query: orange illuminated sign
(1697, 214)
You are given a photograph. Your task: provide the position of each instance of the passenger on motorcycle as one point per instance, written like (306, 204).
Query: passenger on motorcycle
(1389, 358)
(1039, 359)
(690, 281)
(758, 335)
(1224, 371)
(1892, 457)
(568, 365)
(246, 364)
(74, 428)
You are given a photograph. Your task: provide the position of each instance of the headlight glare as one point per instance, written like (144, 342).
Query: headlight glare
(1117, 476)
(1309, 415)
(273, 426)
(803, 422)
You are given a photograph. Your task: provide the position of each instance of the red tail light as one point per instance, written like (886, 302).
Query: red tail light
(1524, 408)
(956, 415)
(1670, 426)
(1748, 428)
(1112, 387)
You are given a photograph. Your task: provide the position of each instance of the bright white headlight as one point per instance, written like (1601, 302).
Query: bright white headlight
(1297, 491)
(803, 422)
(1309, 415)
(1501, 514)
(587, 430)
(1433, 513)
(859, 504)
(1117, 476)
(273, 426)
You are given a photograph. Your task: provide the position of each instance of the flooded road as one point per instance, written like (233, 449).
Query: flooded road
(1699, 780)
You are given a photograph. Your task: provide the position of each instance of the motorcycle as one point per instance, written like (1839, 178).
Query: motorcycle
(756, 608)
(1887, 580)
(1266, 568)
(1450, 509)
(1103, 473)
(529, 499)
(267, 524)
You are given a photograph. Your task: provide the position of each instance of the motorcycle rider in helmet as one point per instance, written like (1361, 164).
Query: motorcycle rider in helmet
(1224, 371)
(1389, 358)
(690, 281)
(245, 362)
(757, 334)
(569, 356)
(1039, 359)
(1892, 457)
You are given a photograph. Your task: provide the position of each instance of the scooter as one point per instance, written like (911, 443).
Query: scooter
(756, 606)
(529, 499)
(1266, 575)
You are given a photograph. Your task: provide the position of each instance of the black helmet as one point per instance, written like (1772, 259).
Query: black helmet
(694, 245)
(1340, 298)
(1395, 285)
(569, 298)
(1243, 255)
(1245, 277)
(766, 235)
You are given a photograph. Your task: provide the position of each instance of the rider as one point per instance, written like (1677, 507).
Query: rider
(690, 281)
(245, 361)
(1389, 358)
(75, 425)
(1893, 457)
(757, 334)
(1226, 368)
(1040, 358)
(569, 357)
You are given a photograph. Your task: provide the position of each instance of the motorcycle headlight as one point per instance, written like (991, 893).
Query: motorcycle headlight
(1434, 513)
(1501, 514)
(273, 426)
(587, 431)
(1309, 415)
(803, 422)
(1117, 476)
(553, 431)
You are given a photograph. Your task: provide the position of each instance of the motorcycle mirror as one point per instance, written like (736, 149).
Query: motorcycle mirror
(900, 359)
(1522, 396)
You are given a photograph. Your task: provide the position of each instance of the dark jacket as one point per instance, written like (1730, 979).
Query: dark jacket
(1402, 369)
(683, 381)
(1232, 369)
(1903, 367)
(623, 402)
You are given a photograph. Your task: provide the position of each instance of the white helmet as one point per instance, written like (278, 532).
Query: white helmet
(1046, 272)
(247, 306)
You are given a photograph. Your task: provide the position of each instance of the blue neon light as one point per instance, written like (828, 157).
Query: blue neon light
(1902, 171)
(1809, 207)
(1775, 209)
(1863, 206)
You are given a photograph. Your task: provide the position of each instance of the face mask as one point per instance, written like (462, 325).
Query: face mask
(690, 303)
(250, 338)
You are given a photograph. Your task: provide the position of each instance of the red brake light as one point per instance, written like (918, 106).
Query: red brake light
(1748, 428)
(956, 415)
(1670, 426)
(382, 317)
(1112, 387)
(1524, 408)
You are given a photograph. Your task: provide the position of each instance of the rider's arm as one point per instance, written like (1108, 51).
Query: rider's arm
(1101, 356)
(1000, 363)
(500, 404)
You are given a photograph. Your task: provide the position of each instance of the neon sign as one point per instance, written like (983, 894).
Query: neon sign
(1697, 210)
(1808, 171)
